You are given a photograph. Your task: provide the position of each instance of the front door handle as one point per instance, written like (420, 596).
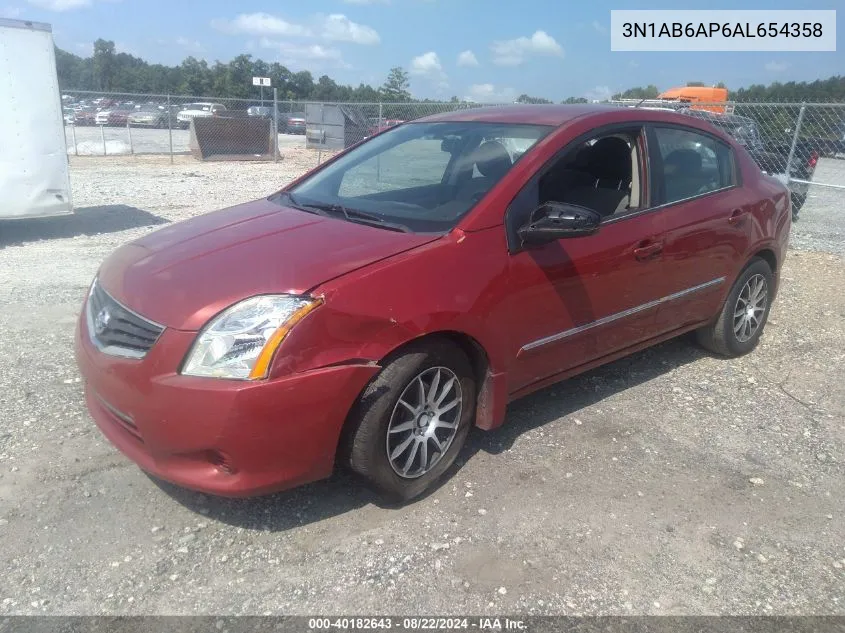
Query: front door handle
(737, 216)
(648, 251)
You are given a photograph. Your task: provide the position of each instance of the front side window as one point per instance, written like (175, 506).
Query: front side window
(693, 164)
(423, 176)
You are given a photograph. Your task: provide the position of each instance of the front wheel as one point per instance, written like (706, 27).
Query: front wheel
(740, 324)
(410, 423)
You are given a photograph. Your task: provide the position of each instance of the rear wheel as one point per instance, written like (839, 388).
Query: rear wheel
(410, 423)
(740, 324)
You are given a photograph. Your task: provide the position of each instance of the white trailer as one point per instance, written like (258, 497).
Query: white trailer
(34, 174)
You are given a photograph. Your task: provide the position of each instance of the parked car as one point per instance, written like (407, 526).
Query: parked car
(85, 116)
(115, 116)
(379, 306)
(294, 123)
(154, 116)
(193, 110)
(771, 156)
(265, 112)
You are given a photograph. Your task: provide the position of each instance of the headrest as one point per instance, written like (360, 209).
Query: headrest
(610, 159)
(492, 159)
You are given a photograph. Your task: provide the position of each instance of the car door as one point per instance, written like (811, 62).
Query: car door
(706, 217)
(578, 299)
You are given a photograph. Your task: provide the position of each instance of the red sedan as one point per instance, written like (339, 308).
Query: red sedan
(377, 308)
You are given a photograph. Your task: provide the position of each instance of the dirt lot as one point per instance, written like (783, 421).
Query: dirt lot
(670, 482)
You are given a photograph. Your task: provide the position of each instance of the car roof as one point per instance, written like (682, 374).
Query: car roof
(558, 115)
(545, 114)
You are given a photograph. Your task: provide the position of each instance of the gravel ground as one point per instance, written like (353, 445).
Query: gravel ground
(822, 220)
(670, 482)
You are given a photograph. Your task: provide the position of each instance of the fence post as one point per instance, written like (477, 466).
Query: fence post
(73, 134)
(794, 142)
(103, 137)
(275, 125)
(170, 127)
(129, 132)
(380, 123)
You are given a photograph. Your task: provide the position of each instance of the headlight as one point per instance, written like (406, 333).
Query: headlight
(240, 342)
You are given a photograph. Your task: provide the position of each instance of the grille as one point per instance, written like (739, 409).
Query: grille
(117, 330)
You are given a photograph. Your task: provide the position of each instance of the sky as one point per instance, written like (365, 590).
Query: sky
(484, 50)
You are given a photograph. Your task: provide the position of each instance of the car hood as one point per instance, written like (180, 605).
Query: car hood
(183, 274)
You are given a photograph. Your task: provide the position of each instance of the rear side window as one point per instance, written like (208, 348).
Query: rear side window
(692, 164)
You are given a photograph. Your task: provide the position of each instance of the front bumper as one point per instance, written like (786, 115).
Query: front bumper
(223, 437)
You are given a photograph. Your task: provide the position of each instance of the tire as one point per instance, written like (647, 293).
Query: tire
(721, 337)
(367, 442)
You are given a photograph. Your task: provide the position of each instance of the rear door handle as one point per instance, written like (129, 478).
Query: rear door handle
(737, 216)
(648, 251)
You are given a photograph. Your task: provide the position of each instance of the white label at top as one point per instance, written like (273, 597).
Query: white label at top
(741, 30)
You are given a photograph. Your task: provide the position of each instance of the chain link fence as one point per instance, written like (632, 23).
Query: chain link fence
(104, 124)
(801, 143)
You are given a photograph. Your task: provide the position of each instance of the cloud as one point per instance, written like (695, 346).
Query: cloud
(633, 63)
(776, 67)
(467, 58)
(599, 27)
(599, 93)
(426, 64)
(428, 67)
(333, 28)
(60, 5)
(10, 13)
(489, 93)
(189, 44)
(338, 28)
(514, 52)
(311, 55)
(260, 24)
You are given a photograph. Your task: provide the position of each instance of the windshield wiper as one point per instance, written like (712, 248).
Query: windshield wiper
(355, 215)
(294, 202)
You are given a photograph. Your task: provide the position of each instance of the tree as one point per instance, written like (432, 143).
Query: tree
(396, 86)
(302, 85)
(649, 92)
(695, 84)
(326, 90)
(571, 100)
(524, 98)
(104, 64)
(195, 77)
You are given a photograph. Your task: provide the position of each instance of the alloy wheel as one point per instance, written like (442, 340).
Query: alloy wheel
(424, 422)
(750, 308)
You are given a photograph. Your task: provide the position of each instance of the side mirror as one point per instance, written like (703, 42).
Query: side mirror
(552, 221)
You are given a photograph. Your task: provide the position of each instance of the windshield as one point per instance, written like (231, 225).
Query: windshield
(424, 176)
